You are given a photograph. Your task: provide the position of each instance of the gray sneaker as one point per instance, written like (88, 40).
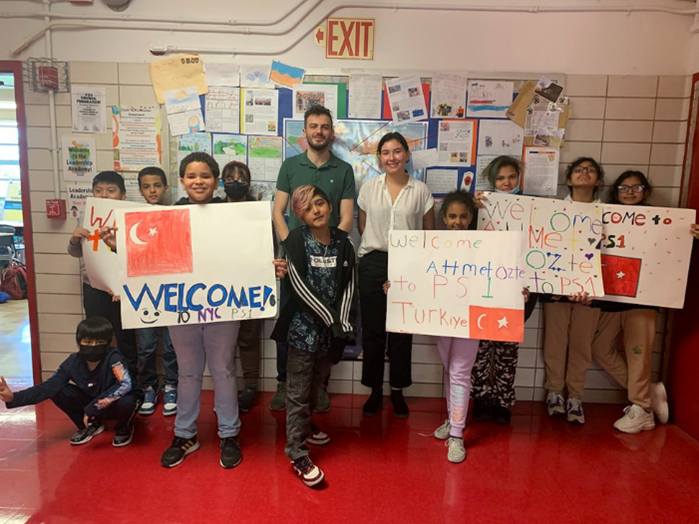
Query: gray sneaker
(457, 451)
(323, 404)
(574, 411)
(443, 431)
(555, 405)
(278, 402)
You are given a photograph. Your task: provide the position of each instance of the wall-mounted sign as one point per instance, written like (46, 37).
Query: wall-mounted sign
(350, 38)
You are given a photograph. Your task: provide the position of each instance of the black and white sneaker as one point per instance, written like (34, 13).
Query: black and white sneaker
(83, 436)
(178, 450)
(230, 452)
(310, 474)
(123, 437)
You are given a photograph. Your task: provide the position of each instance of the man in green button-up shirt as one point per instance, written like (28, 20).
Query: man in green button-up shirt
(317, 166)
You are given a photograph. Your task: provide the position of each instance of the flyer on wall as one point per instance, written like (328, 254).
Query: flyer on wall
(79, 158)
(259, 112)
(540, 171)
(77, 196)
(457, 142)
(89, 109)
(137, 132)
(309, 95)
(406, 99)
(365, 96)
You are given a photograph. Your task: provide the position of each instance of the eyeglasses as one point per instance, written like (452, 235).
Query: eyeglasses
(589, 170)
(637, 188)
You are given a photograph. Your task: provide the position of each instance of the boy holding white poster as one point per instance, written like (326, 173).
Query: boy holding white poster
(98, 303)
(197, 345)
(315, 321)
(153, 186)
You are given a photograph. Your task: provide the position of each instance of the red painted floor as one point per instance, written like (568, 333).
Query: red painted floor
(377, 470)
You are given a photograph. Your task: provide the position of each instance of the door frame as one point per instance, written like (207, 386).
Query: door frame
(15, 67)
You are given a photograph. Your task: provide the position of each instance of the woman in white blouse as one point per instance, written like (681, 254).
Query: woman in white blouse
(391, 201)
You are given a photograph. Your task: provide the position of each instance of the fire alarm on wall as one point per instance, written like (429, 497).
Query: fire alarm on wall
(56, 208)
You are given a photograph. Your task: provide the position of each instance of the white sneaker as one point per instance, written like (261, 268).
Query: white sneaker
(635, 420)
(443, 431)
(574, 411)
(457, 451)
(658, 402)
(555, 405)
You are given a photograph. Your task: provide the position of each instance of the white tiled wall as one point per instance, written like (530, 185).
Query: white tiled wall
(626, 121)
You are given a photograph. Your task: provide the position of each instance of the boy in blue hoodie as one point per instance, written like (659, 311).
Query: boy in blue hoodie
(90, 386)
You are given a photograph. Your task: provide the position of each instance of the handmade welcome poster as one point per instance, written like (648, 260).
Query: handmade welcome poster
(100, 261)
(465, 284)
(561, 241)
(195, 264)
(645, 254)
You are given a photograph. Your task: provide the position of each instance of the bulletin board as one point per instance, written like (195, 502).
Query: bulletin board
(356, 139)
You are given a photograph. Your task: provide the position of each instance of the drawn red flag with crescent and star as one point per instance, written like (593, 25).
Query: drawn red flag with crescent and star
(158, 242)
(493, 323)
(620, 275)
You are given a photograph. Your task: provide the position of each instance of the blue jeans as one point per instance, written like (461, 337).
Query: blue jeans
(195, 345)
(147, 347)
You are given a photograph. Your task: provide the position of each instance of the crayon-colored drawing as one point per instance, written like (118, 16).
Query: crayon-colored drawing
(158, 243)
(620, 275)
(487, 323)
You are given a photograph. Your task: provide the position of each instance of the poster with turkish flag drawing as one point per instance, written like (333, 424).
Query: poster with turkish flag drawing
(463, 284)
(196, 264)
(101, 263)
(645, 254)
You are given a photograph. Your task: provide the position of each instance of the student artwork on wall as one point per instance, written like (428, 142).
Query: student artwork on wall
(177, 72)
(561, 241)
(192, 143)
(265, 157)
(465, 284)
(645, 254)
(489, 99)
(285, 75)
(173, 270)
(100, 261)
(230, 148)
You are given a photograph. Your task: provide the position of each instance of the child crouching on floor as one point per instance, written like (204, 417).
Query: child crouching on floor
(90, 386)
(315, 322)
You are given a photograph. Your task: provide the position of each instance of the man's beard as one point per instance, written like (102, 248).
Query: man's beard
(314, 147)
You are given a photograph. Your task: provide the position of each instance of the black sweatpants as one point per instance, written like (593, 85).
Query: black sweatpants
(98, 303)
(373, 273)
(72, 401)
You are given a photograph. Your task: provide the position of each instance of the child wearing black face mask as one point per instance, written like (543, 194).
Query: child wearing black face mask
(101, 387)
(236, 182)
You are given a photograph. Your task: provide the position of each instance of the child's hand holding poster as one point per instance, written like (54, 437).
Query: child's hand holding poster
(196, 264)
(561, 241)
(464, 284)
